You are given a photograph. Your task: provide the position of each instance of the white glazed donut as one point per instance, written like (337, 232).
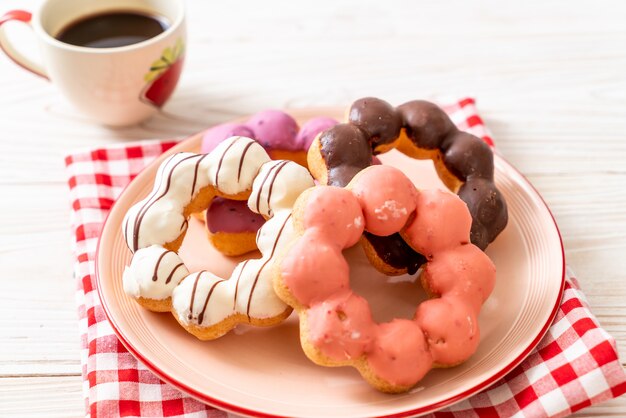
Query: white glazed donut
(205, 304)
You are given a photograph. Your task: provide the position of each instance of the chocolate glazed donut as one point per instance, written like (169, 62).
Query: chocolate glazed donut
(420, 130)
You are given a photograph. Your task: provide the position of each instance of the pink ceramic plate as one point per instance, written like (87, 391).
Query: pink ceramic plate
(264, 371)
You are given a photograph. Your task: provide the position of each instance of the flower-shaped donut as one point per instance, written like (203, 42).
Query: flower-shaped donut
(205, 304)
(336, 325)
(420, 130)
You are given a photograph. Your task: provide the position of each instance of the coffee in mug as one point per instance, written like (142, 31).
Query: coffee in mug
(112, 29)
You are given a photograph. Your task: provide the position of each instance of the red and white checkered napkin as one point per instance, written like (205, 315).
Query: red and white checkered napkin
(576, 364)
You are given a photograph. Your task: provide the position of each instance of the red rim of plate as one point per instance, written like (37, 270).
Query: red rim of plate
(202, 397)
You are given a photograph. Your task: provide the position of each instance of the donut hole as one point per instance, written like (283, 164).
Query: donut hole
(389, 297)
(199, 254)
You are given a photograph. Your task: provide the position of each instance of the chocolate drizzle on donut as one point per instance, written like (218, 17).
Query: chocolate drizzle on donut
(206, 302)
(195, 173)
(171, 275)
(243, 156)
(374, 126)
(269, 192)
(275, 168)
(158, 263)
(237, 283)
(258, 274)
(193, 294)
(219, 164)
(151, 201)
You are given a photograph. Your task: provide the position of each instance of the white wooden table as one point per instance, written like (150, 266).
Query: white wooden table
(550, 78)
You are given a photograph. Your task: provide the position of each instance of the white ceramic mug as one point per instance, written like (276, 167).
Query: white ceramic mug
(117, 86)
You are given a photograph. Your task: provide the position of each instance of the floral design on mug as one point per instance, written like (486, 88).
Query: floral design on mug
(163, 75)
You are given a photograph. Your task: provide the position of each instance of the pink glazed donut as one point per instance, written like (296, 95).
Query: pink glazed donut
(275, 130)
(231, 225)
(336, 325)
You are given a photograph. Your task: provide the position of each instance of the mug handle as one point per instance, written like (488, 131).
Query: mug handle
(14, 54)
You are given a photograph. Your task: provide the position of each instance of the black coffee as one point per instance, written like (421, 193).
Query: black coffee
(113, 29)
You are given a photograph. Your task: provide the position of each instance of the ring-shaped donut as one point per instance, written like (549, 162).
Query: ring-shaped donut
(336, 325)
(420, 130)
(205, 304)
